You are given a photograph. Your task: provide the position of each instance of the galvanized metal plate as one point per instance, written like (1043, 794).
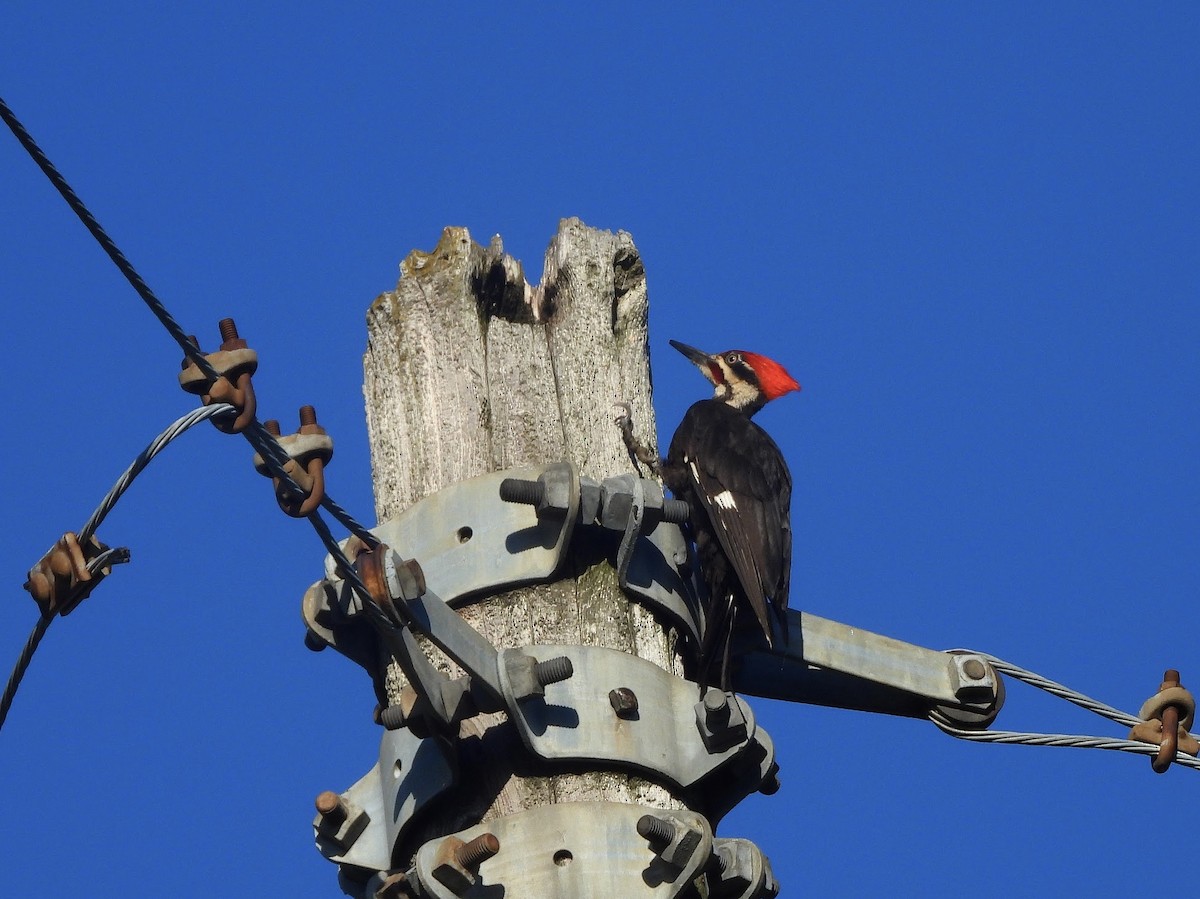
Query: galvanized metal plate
(573, 850)
(655, 578)
(575, 720)
(411, 773)
(468, 540)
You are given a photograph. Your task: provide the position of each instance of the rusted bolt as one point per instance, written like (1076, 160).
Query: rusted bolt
(457, 863)
(974, 669)
(331, 808)
(229, 335)
(624, 702)
(474, 853)
(655, 829)
(308, 421)
(272, 427)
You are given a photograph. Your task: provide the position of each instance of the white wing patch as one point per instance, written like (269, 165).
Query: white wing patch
(725, 500)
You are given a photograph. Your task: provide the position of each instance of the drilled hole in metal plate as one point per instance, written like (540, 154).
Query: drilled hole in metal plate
(563, 857)
(397, 769)
(465, 534)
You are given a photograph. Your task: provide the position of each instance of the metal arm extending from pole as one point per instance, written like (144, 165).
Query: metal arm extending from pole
(832, 664)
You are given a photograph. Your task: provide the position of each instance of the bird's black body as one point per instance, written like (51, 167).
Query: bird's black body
(739, 493)
(739, 490)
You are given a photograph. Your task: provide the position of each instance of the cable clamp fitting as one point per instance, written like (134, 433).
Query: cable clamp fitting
(1166, 718)
(234, 364)
(309, 451)
(64, 577)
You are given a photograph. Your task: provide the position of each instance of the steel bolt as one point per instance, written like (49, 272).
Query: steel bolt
(391, 717)
(716, 708)
(517, 490)
(675, 511)
(553, 670)
(624, 702)
(656, 830)
(331, 808)
(974, 669)
(272, 427)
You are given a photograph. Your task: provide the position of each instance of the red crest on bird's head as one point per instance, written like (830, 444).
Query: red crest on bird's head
(773, 379)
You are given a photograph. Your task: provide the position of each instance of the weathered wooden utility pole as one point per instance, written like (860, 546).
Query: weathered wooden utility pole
(469, 369)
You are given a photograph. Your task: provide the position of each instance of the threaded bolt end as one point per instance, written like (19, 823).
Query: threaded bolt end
(676, 511)
(392, 717)
(473, 854)
(272, 427)
(308, 416)
(228, 329)
(553, 670)
(656, 830)
(517, 490)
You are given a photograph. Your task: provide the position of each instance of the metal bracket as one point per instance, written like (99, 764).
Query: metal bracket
(655, 730)
(575, 850)
(410, 774)
(653, 553)
(468, 542)
(827, 663)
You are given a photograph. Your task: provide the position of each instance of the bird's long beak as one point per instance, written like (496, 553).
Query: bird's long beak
(698, 357)
(702, 361)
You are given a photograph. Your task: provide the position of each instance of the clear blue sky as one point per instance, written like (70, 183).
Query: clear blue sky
(970, 231)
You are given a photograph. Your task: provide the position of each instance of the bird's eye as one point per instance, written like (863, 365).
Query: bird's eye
(733, 358)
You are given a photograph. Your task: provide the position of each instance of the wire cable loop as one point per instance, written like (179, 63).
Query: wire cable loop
(1078, 741)
(107, 557)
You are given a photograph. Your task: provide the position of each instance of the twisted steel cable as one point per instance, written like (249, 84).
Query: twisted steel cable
(109, 556)
(262, 440)
(139, 464)
(106, 242)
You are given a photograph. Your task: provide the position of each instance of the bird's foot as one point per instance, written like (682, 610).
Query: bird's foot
(638, 451)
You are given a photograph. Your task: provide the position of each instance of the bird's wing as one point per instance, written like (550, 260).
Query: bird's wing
(745, 487)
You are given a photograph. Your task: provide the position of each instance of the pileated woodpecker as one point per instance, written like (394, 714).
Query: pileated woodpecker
(739, 489)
